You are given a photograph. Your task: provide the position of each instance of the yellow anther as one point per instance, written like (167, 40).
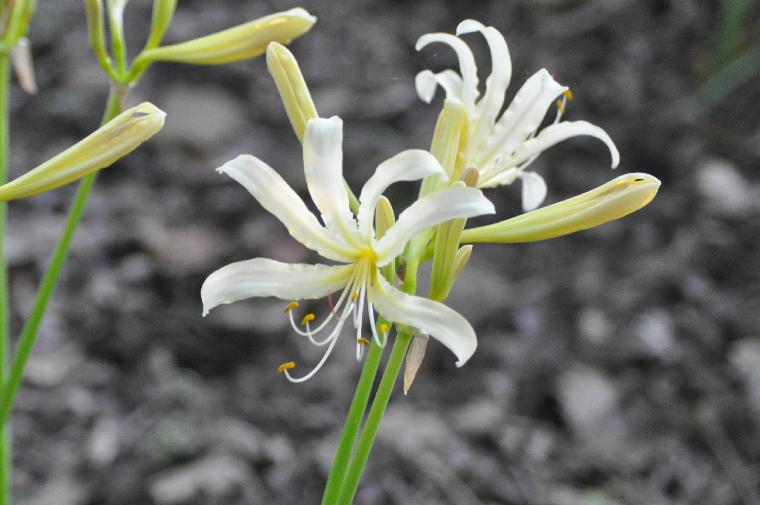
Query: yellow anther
(383, 328)
(354, 296)
(286, 366)
(560, 105)
(292, 305)
(307, 319)
(568, 94)
(362, 341)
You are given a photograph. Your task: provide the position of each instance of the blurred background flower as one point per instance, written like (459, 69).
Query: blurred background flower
(619, 365)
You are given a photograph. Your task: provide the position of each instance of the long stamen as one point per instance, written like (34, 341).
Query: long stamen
(383, 327)
(327, 319)
(333, 338)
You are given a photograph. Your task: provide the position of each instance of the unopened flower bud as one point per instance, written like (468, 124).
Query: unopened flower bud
(234, 44)
(619, 197)
(291, 86)
(102, 148)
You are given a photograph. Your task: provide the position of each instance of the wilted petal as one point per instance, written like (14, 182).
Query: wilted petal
(274, 194)
(556, 133)
(434, 318)
(99, 150)
(428, 211)
(533, 190)
(323, 166)
(236, 43)
(409, 165)
(467, 66)
(266, 277)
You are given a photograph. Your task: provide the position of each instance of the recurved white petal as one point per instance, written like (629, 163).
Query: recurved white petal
(409, 165)
(274, 194)
(430, 210)
(434, 318)
(266, 277)
(490, 104)
(533, 190)
(426, 83)
(467, 66)
(523, 115)
(556, 133)
(323, 166)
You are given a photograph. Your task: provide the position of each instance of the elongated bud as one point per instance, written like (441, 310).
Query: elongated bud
(112, 141)
(163, 11)
(384, 219)
(291, 86)
(234, 44)
(96, 30)
(116, 27)
(444, 258)
(619, 197)
(448, 142)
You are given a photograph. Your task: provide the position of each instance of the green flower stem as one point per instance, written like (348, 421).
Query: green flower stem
(380, 402)
(367, 438)
(49, 280)
(353, 422)
(5, 436)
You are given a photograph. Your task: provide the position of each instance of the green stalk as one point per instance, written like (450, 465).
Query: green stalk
(5, 436)
(50, 279)
(353, 422)
(380, 402)
(367, 438)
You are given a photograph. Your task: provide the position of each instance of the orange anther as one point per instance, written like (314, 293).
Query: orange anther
(286, 366)
(362, 341)
(292, 305)
(307, 319)
(568, 94)
(383, 328)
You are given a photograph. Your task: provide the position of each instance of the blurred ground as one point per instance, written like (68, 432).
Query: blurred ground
(617, 366)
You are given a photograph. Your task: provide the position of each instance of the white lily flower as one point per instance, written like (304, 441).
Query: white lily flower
(348, 240)
(502, 147)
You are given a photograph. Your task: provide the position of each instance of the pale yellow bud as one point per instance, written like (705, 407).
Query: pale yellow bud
(448, 143)
(234, 44)
(442, 274)
(384, 219)
(102, 148)
(619, 197)
(291, 86)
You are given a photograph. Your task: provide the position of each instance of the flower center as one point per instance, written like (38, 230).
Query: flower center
(350, 304)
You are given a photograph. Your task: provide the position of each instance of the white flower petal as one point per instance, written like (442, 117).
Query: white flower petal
(434, 318)
(426, 83)
(323, 166)
(490, 104)
(428, 211)
(409, 165)
(533, 190)
(522, 117)
(274, 194)
(265, 277)
(467, 66)
(556, 133)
